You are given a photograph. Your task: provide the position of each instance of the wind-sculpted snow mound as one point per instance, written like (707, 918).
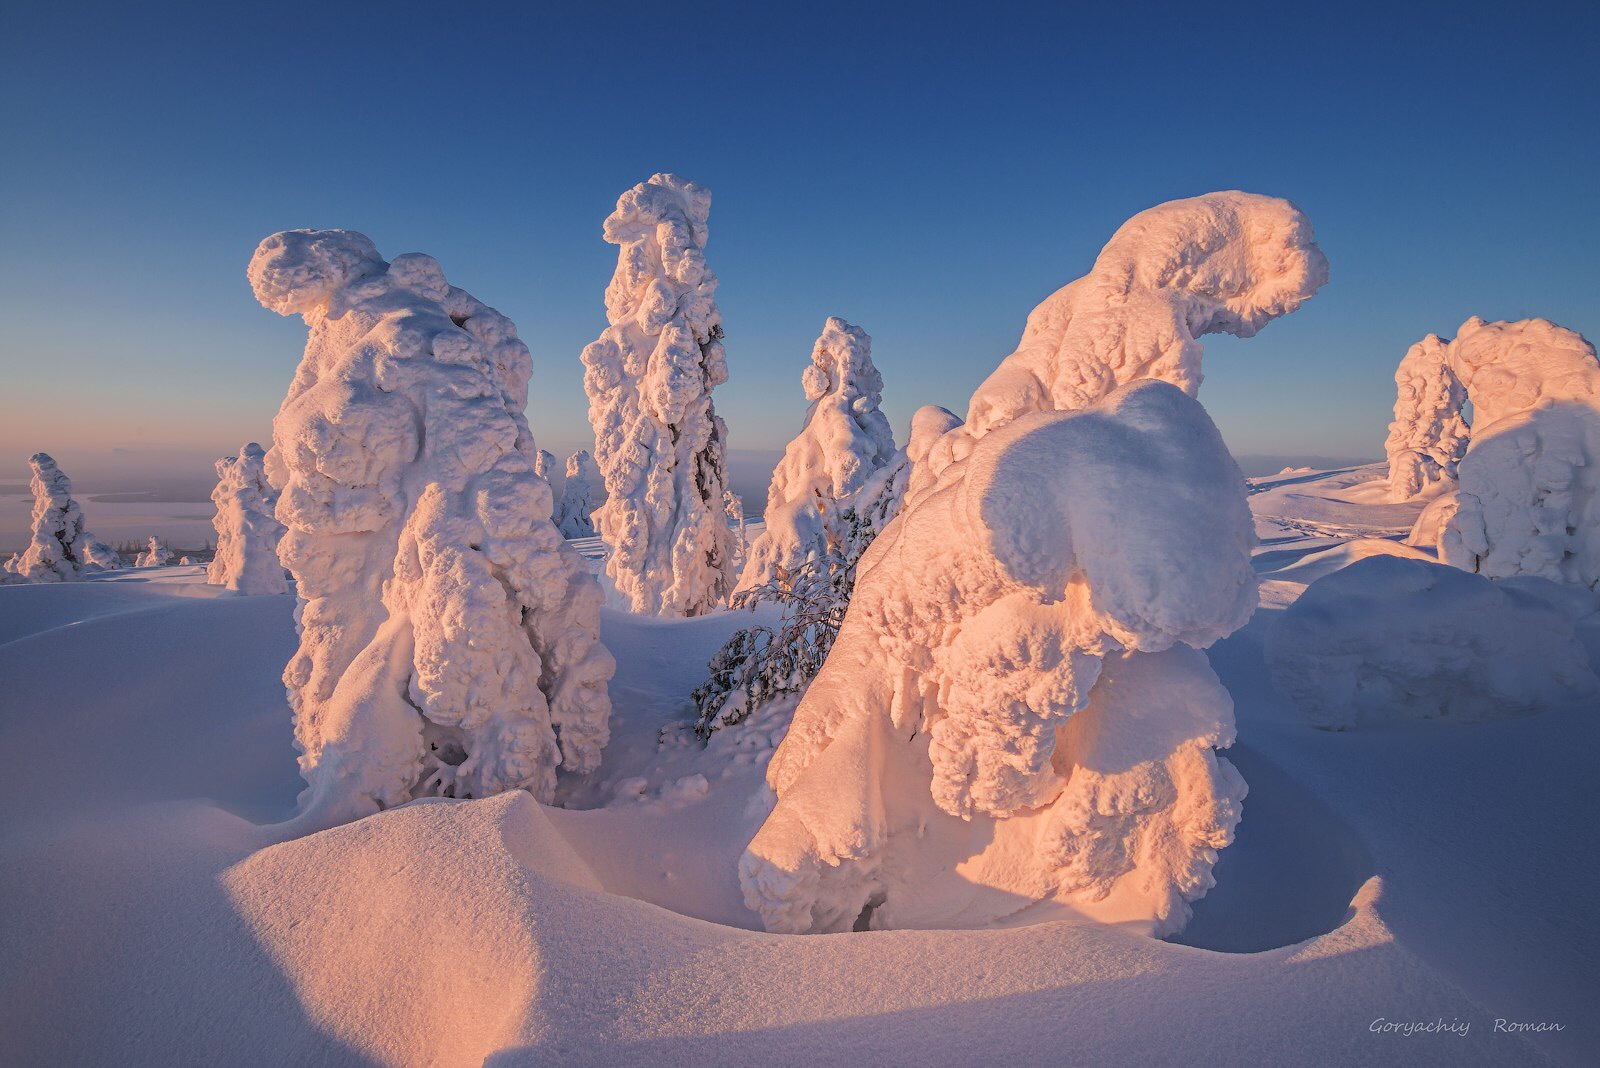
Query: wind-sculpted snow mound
(1389, 639)
(658, 439)
(844, 442)
(449, 641)
(1227, 262)
(1015, 709)
(247, 526)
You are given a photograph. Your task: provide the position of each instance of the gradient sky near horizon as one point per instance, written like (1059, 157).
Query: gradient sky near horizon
(928, 171)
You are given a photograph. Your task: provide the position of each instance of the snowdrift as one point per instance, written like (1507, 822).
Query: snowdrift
(1388, 639)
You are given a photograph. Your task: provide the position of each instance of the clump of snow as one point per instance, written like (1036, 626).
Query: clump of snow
(156, 554)
(581, 495)
(843, 442)
(1530, 481)
(1434, 520)
(1389, 639)
(544, 465)
(247, 526)
(1428, 435)
(1227, 262)
(658, 440)
(1015, 709)
(449, 640)
(61, 548)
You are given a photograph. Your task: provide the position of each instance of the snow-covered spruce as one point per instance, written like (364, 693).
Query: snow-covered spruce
(1388, 640)
(544, 465)
(580, 496)
(844, 440)
(247, 527)
(1016, 708)
(61, 549)
(658, 440)
(1227, 262)
(156, 554)
(449, 640)
(1529, 490)
(733, 508)
(1428, 435)
(1016, 690)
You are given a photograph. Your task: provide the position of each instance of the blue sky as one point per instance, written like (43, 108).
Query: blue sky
(929, 172)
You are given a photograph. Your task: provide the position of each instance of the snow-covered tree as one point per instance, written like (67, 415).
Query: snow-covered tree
(733, 508)
(580, 496)
(658, 440)
(156, 554)
(1428, 435)
(61, 548)
(1016, 708)
(845, 440)
(449, 640)
(247, 526)
(1529, 493)
(544, 466)
(1226, 262)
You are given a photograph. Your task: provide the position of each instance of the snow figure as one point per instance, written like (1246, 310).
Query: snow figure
(658, 440)
(1529, 496)
(247, 527)
(1016, 708)
(845, 440)
(1434, 520)
(1388, 639)
(61, 550)
(1428, 435)
(733, 508)
(156, 554)
(1219, 263)
(544, 465)
(449, 640)
(579, 496)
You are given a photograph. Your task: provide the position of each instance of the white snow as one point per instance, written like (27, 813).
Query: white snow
(843, 442)
(1388, 638)
(449, 639)
(1227, 262)
(1428, 435)
(1530, 481)
(61, 548)
(156, 554)
(247, 526)
(938, 773)
(581, 495)
(658, 440)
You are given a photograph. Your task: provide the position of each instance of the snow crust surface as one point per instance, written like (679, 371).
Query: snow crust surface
(248, 531)
(659, 442)
(449, 639)
(1389, 639)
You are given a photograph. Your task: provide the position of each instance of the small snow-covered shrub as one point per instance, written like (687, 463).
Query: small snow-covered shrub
(843, 442)
(1391, 640)
(61, 548)
(649, 376)
(156, 554)
(449, 639)
(247, 526)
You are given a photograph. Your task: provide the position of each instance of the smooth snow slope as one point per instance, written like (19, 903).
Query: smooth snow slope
(1406, 873)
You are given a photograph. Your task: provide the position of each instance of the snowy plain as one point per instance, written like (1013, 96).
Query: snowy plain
(157, 912)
